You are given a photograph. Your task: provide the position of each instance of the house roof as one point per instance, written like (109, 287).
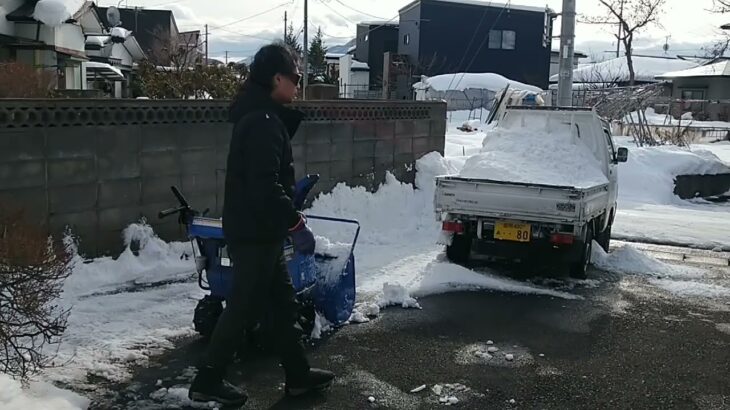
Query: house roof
(510, 6)
(646, 68)
(11, 41)
(379, 23)
(719, 69)
(25, 12)
(144, 23)
(95, 69)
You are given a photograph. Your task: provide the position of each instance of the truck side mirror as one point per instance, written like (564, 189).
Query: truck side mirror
(622, 155)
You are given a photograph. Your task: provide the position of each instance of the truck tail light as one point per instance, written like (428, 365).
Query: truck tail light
(452, 226)
(562, 239)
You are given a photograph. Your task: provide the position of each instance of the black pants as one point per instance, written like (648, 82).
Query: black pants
(261, 287)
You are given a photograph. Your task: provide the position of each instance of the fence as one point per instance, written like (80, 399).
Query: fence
(98, 165)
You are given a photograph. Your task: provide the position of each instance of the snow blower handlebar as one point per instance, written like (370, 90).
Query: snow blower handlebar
(186, 212)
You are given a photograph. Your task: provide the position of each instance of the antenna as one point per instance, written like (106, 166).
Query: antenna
(113, 17)
(665, 47)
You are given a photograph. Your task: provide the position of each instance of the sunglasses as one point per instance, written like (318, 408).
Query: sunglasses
(295, 78)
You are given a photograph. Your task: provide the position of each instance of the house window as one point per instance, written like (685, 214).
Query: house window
(690, 94)
(407, 39)
(502, 39)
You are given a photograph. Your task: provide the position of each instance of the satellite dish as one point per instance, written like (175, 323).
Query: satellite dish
(113, 17)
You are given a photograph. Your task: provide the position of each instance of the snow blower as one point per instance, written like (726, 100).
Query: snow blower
(324, 282)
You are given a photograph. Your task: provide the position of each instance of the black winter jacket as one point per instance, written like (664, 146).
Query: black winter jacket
(260, 172)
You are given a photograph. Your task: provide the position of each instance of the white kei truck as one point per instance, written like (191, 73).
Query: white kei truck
(525, 221)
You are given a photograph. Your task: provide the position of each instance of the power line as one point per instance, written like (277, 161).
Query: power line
(255, 15)
(335, 11)
(473, 37)
(358, 11)
(486, 38)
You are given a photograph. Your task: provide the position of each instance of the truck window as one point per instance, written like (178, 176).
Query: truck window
(609, 143)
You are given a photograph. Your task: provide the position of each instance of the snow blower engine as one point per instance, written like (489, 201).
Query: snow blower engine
(324, 282)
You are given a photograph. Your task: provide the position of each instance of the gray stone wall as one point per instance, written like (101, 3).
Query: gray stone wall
(97, 165)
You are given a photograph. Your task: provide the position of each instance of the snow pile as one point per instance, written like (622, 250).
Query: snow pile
(321, 326)
(39, 395)
(653, 118)
(528, 152)
(112, 323)
(177, 397)
(648, 176)
(463, 81)
(630, 260)
(55, 12)
(397, 295)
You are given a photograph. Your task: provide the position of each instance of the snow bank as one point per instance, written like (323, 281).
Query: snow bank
(55, 12)
(463, 81)
(648, 176)
(39, 395)
(125, 310)
(663, 119)
(629, 260)
(534, 153)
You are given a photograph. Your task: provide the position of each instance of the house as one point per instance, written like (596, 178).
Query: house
(451, 36)
(374, 39)
(709, 83)
(112, 59)
(555, 60)
(158, 35)
(38, 34)
(354, 78)
(333, 55)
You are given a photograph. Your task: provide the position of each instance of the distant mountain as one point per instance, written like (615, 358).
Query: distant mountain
(342, 48)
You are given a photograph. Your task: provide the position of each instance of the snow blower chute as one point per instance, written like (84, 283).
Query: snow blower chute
(324, 282)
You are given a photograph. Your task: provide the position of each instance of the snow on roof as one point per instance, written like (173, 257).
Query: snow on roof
(359, 65)
(379, 23)
(510, 6)
(98, 41)
(120, 32)
(56, 12)
(617, 70)
(719, 69)
(462, 81)
(104, 69)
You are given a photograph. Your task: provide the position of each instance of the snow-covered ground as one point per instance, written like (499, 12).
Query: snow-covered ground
(128, 309)
(686, 121)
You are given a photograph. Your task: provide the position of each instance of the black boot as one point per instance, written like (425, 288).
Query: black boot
(314, 380)
(209, 385)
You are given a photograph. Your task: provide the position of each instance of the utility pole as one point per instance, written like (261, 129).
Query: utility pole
(305, 51)
(206, 45)
(226, 58)
(285, 26)
(567, 51)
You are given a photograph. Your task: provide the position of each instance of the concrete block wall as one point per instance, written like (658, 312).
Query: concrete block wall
(97, 165)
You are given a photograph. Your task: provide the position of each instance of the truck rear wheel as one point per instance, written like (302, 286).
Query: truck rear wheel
(579, 268)
(459, 250)
(604, 238)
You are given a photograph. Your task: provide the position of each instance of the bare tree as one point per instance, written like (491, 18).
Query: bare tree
(721, 6)
(631, 16)
(174, 53)
(32, 271)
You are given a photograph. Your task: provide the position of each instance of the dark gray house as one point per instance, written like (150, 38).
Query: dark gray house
(374, 39)
(448, 36)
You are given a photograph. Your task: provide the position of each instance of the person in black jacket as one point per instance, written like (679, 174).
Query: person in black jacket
(258, 215)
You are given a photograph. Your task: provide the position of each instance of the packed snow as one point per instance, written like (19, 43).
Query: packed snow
(55, 12)
(39, 395)
(687, 120)
(538, 153)
(630, 260)
(464, 81)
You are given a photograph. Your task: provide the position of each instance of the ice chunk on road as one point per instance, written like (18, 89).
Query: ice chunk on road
(509, 357)
(492, 349)
(437, 389)
(419, 389)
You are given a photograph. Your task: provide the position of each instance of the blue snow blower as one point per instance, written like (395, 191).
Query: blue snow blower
(324, 283)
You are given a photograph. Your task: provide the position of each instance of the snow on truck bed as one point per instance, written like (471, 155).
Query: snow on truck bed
(463, 81)
(537, 155)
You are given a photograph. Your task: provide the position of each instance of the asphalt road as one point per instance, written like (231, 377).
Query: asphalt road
(625, 344)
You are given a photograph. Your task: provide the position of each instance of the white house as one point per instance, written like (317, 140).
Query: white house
(113, 56)
(354, 77)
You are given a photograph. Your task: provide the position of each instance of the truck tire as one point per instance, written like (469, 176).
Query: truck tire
(579, 268)
(604, 238)
(459, 250)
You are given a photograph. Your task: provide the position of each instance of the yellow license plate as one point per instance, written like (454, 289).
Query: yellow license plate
(512, 231)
